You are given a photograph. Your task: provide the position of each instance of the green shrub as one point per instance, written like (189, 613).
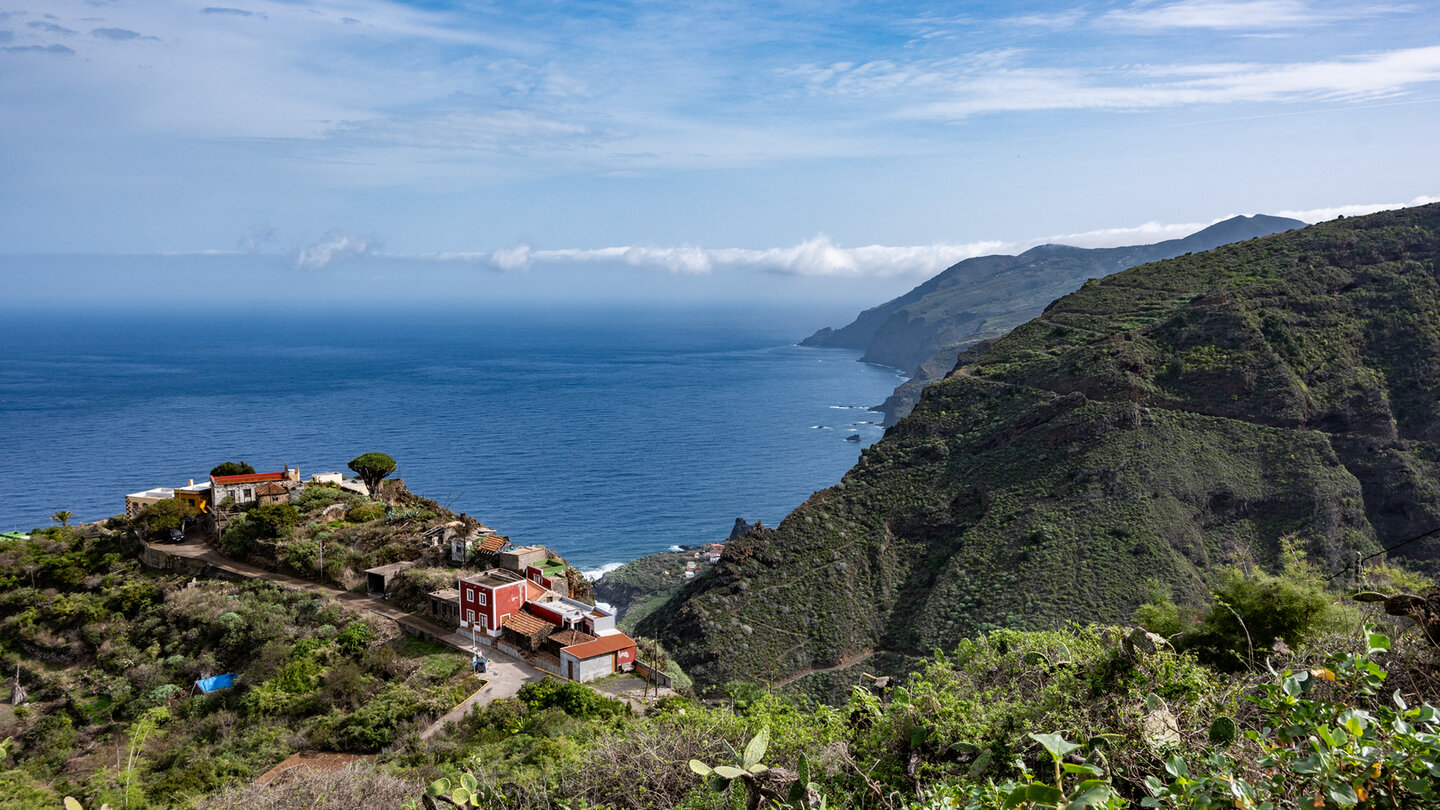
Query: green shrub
(1317, 748)
(302, 556)
(1251, 612)
(273, 520)
(570, 697)
(157, 520)
(415, 514)
(232, 468)
(319, 496)
(365, 512)
(356, 636)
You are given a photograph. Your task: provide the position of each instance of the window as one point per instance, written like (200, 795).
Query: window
(470, 616)
(482, 597)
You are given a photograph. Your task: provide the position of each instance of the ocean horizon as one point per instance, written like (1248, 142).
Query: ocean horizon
(604, 433)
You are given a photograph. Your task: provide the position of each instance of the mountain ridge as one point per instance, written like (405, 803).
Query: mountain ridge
(982, 298)
(1163, 422)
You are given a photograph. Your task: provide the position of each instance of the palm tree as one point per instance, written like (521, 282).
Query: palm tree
(62, 517)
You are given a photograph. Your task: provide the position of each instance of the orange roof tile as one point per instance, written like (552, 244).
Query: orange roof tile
(534, 592)
(600, 646)
(492, 542)
(525, 624)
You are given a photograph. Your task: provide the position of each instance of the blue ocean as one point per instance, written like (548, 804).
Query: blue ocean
(603, 433)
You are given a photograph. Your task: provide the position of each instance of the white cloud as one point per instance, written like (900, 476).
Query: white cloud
(821, 257)
(975, 92)
(814, 257)
(1245, 15)
(1134, 235)
(1313, 215)
(333, 248)
(1218, 14)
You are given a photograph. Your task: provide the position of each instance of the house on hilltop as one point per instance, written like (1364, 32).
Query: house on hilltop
(241, 489)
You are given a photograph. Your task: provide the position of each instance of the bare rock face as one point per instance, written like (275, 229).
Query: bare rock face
(740, 529)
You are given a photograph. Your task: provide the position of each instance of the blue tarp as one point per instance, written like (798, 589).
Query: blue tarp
(217, 682)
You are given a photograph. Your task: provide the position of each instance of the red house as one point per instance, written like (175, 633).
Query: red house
(598, 658)
(487, 598)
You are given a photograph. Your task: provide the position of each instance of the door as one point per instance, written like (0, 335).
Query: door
(570, 669)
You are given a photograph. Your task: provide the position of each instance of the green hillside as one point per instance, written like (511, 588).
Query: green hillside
(1161, 423)
(979, 299)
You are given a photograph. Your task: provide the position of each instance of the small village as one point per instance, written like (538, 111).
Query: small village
(521, 613)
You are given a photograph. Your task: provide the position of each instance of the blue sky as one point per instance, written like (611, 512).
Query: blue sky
(866, 140)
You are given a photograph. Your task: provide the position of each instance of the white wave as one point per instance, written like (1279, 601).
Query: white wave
(605, 606)
(602, 570)
(675, 548)
(820, 427)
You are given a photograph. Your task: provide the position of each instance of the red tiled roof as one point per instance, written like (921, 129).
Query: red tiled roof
(492, 542)
(600, 646)
(271, 488)
(534, 592)
(525, 624)
(249, 478)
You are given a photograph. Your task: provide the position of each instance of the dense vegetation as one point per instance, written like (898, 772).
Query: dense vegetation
(109, 654)
(1335, 719)
(979, 299)
(1010, 718)
(1165, 422)
(332, 534)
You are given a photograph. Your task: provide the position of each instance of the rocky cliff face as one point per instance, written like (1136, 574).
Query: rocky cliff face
(1158, 423)
(922, 331)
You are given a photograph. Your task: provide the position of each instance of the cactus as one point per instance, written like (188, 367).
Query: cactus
(1222, 731)
(465, 792)
(747, 769)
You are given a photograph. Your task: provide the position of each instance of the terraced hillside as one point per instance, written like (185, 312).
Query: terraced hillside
(1161, 423)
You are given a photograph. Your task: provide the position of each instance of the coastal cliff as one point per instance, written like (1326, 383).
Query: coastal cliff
(1157, 424)
(922, 331)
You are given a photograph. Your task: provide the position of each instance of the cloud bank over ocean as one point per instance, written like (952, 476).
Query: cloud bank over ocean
(819, 256)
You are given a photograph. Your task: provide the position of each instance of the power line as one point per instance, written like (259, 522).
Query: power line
(1387, 550)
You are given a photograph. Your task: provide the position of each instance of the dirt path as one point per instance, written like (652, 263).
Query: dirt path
(505, 674)
(845, 663)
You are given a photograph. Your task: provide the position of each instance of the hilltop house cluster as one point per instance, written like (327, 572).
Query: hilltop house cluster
(230, 491)
(521, 602)
(522, 605)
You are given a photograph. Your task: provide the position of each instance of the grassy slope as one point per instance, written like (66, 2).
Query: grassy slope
(1158, 423)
